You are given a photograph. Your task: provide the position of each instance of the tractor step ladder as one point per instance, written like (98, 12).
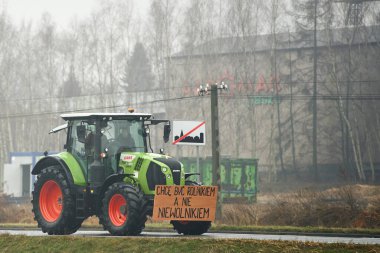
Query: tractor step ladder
(80, 205)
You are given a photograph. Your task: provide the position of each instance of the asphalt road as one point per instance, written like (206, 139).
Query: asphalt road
(300, 238)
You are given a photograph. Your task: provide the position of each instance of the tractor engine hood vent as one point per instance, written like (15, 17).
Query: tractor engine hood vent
(155, 176)
(174, 166)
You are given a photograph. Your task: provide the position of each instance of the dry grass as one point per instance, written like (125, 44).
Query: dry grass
(356, 206)
(15, 213)
(92, 221)
(348, 206)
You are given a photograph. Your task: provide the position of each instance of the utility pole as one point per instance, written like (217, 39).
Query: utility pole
(1, 177)
(215, 140)
(315, 144)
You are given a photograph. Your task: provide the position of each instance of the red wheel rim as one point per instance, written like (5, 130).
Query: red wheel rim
(51, 201)
(117, 210)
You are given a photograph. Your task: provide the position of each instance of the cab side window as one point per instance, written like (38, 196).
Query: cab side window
(82, 141)
(78, 138)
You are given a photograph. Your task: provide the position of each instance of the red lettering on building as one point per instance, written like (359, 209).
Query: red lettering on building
(273, 86)
(260, 86)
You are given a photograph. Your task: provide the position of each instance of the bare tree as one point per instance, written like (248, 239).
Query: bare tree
(244, 22)
(7, 40)
(348, 68)
(161, 39)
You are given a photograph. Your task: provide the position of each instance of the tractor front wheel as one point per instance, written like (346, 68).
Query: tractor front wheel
(53, 203)
(121, 210)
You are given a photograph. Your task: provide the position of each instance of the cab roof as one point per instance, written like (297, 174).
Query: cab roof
(96, 115)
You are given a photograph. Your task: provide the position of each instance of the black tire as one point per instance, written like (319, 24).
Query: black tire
(134, 201)
(146, 210)
(191, 227)
(65, 222)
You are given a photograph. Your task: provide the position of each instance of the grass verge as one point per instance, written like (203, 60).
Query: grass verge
(292, 229)
(79, 244)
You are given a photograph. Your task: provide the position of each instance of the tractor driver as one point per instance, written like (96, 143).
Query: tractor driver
(126, 139)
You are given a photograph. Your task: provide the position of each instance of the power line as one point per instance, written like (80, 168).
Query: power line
(193, 88)
(92, 95)
(284, 97)
(24, 115)
(308, 97)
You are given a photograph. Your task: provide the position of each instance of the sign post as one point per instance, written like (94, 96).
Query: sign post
(198, 163)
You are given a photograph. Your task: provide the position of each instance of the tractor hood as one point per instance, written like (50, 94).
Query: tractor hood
(133, 161)
(152, 169)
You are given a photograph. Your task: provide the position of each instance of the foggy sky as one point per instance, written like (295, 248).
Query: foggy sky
(62, 11)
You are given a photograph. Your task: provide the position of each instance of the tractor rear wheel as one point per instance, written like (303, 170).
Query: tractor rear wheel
(121, 210)
(53, 203)
(191, 227)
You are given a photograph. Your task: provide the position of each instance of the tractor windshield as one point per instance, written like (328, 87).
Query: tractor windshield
(116, 136)
(125, 135)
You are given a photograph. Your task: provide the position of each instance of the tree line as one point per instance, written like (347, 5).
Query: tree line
(113, 53)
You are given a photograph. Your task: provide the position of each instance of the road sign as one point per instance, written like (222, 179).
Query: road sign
(189, 132)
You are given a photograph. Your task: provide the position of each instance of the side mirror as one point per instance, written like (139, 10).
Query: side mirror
(81, 133)
(167, 130)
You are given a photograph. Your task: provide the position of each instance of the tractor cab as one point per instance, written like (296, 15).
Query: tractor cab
(98, 140)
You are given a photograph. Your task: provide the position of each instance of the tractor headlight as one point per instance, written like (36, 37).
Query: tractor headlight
(164, 169)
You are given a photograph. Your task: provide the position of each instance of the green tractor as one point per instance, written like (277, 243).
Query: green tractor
(106, 171)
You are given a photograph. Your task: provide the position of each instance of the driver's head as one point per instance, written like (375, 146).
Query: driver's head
(103, 125)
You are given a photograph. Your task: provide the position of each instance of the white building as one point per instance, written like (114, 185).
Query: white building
(16, 177)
